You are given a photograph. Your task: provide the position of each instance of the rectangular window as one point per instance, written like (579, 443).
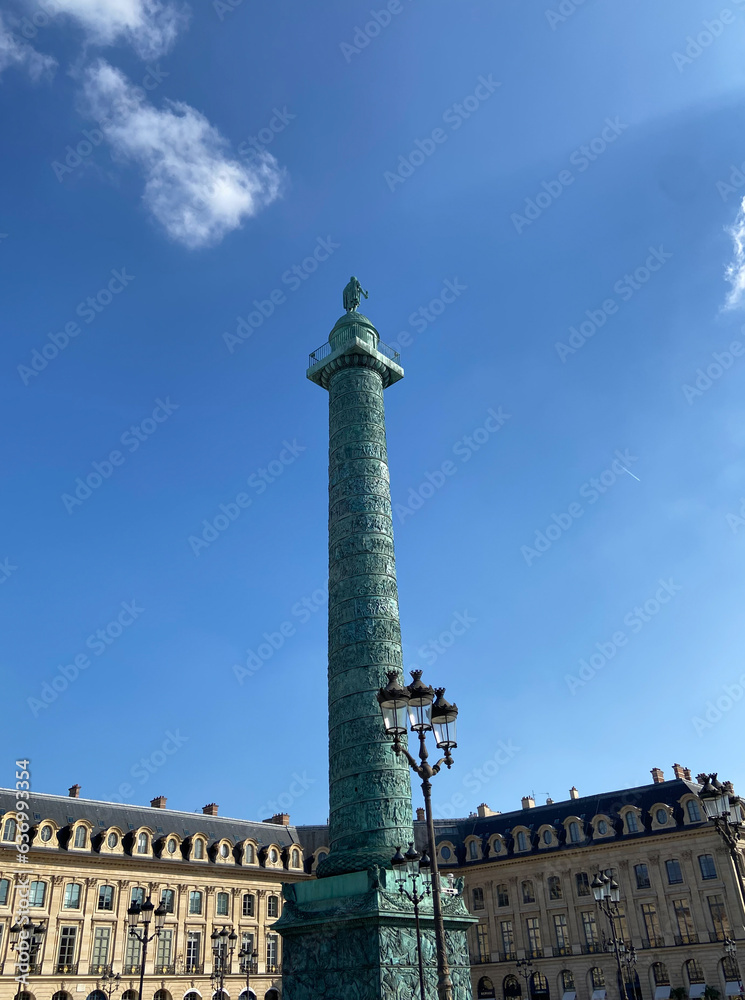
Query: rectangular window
(631, 823)
(623, 927)
(138, 895)
(508, 939)
(168, 899)
(272, 905)
(534, 937)
(652, 924)
(707, 866)
(72, 896)
(195, 902)
(223, 903)
(37, 892)
(193, 950)
(562, 933)
(248, 905)
(164, 951)
(674, 874)
(106, 897)
(4, 888)
(718, 917)
(590, 929)
(684, 921)
(583, 884)
(100, 952)
(482, 937)
(132, 955)
(272, 952)
(247, 943)
(642, 876)
(503, 896)
(66, 953)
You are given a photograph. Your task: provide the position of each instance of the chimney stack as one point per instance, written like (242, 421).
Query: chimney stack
(484, 810)
(209, 810)
(687, 774)
(573, 793)
(678, 771)
(657, 776)
(420, 815)
(528, 802)
(549, 801)
(74, 791)
(159, 802)
(279, 819)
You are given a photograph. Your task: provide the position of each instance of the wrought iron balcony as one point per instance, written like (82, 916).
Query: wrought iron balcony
(34, 968)
(534, 952)
(193, 968)
(325, 349)
(564, 949)
(480, 959)
(592, 949)
(653, 942)
(686, 939)
(98, 970)
(717, 935)
(165, 970)
(273, 969)
(250, 967)
(60, 969)
(131, 970)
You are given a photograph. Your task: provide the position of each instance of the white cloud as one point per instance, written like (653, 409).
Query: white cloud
(149, 26)
(735, 272)
(195, 190)
(15, 52)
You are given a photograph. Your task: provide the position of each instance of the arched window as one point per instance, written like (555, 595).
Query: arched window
(132, 995)
(199, 849)
(81, 836)
(632, 824)
(528, 891)
(271, 994)
(272, 906)
(37, 892)
(583, 883)
(249, 854)
(9, 829)
(61, 995)
(71, 899)
(97, 995)
(548, 838)
(597, 978)
(554, 887)
(485, 989)
(222, 901)
(473, 850)
(4, 890)
(162, 995)
(137, 896)
(189, 996)
(522, 842)
(295, 858)
(46, 833)
(106, 897)
(694, 813)
(567, 981)
(477, 897)
(539, 985)
(503, 895)
(195, 902)
(707, 866)
(661, 977)
(511, 987)
(248, 905)
(574, 836)
(142, 843)
(695, 971)
(730, 969)
(322, 855)
(168, 899)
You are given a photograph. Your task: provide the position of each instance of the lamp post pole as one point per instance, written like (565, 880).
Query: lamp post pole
(607, 896)
(109, 982)
(412, 865)
(724, 809)
(246, 955)
(524, 968)
(428, 711)
(730, 949)
(223, 945)
(144, 912)
(26, 939)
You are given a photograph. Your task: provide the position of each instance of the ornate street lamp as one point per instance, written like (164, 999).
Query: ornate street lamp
(524, 968)
(607, 895)
(141, 915)
(414, 865)
(108, 982)
(223, 945)
(724, 809)
(246, 957)
(428, 712)
(21, 933)
(730, 950)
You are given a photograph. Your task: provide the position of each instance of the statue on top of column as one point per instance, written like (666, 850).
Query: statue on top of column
(351, 294)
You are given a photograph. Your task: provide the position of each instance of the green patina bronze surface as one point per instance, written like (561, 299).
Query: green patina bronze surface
(349, 935)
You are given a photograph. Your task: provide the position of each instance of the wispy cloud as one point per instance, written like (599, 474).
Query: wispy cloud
(149, 26)
(193, 187)
(16, 52)
(735, 272)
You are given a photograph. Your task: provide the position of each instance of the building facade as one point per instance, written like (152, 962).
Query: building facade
(529, 875)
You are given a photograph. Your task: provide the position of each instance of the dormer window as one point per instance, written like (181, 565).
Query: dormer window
(295, 859)
(46, 833)
(9, 829)
(143, 843)
(574, 836)
(249, 854)
(694, 813)
(81, 837)
(602, 827)
(632, 824)
(224, 851)
(199, 850)
(473, 850)
(522, 842)
(112, 841)
(171, 845)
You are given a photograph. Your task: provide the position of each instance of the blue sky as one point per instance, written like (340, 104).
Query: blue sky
(578, 173)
